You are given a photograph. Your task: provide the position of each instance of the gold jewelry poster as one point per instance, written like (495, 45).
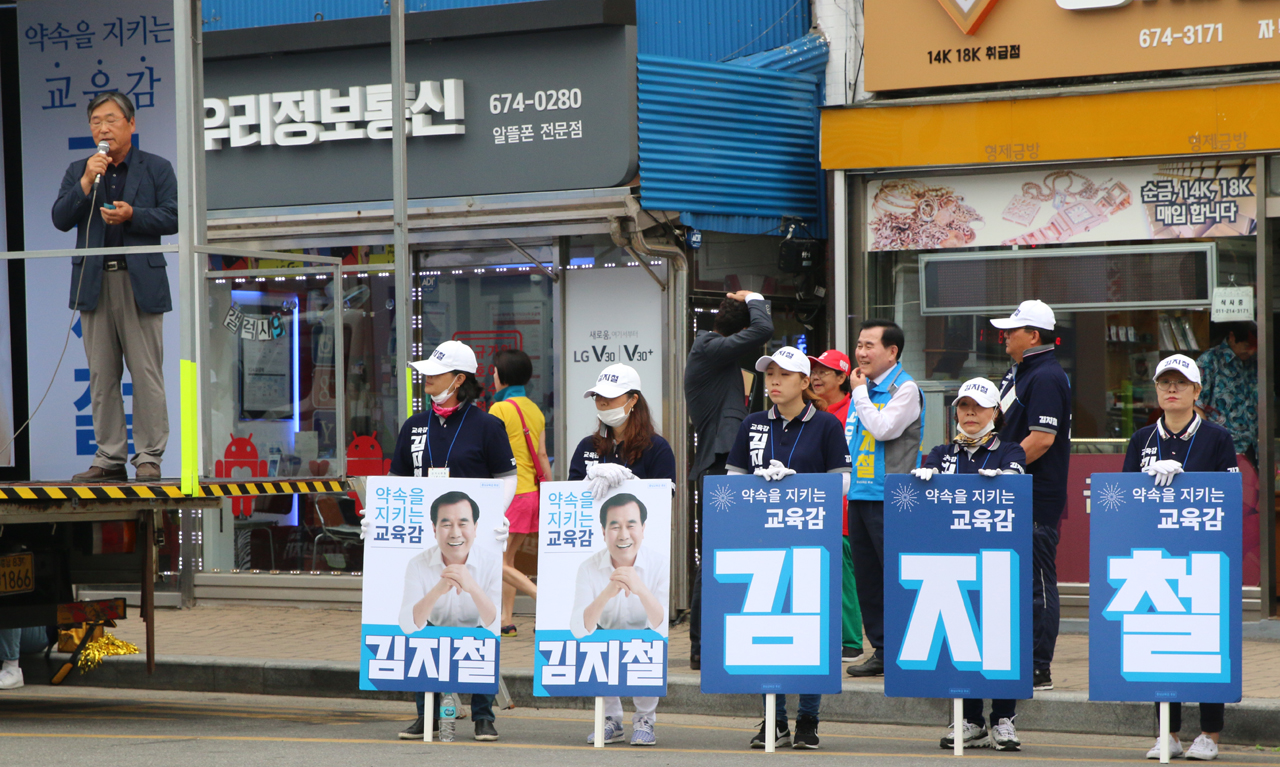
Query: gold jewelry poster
(1170, 201)
(922, 43)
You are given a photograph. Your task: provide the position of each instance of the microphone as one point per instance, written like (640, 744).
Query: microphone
(103, 146)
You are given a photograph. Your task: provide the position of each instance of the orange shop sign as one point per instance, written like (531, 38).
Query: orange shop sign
(941, 43)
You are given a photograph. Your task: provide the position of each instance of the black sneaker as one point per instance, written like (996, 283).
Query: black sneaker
(695, 662)
(848, 654)
(485, 730)
(782, 737)
(413, 731)
(806, 733)
(872, 667)
(1040, 679)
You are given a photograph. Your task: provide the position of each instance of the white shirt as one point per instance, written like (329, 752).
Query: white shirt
(453, 609)
(900, 412)
(622, 612)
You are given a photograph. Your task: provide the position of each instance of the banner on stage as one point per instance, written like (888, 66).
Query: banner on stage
(957, 560)
(432, 585)
(1165, 588)
(604, 570)
(771, 584)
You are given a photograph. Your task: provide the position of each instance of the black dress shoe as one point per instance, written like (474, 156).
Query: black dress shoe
(873, 667)
(695, 662)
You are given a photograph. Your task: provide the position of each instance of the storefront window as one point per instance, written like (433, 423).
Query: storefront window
(1121, 306)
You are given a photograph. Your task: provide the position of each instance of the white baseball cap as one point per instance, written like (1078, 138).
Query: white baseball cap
(447, 357)
(1035, 313)
(615, 381)
(788, 358)
(1181, 363)
(981, 391)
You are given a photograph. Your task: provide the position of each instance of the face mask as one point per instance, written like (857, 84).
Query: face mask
(614, 417)
(443, 396)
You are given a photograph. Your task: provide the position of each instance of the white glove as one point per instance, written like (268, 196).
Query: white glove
(923, 473)
(365, 522)
(502, 532)
(606, 477)
(989, 472)
(774, 471)
(1163, 471)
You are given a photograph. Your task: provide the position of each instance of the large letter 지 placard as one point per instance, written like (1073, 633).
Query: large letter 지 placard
(1165, 588)
(432, 585)
(771, 557)
(957, 572)
(604, 572)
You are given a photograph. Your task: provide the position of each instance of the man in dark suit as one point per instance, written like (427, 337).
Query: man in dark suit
(122, 299)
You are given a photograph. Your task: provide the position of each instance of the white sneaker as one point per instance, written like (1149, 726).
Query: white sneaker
(1004, 736)
(1175, 749)
(1203, 749)
(11, 678)
(612, 732)
(974, 736)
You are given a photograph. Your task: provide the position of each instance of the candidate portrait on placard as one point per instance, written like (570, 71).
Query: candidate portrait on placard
(624, 586)
(454, 583)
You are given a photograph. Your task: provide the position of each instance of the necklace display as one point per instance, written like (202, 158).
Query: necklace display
(910, 215)
(1079, 210)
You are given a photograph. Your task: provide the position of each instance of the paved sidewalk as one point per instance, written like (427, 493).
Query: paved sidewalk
(334, 635)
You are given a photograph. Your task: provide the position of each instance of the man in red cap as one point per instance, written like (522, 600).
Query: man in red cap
(830, 381)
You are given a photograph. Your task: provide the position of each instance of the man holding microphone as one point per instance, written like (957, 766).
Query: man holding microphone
(121, 197)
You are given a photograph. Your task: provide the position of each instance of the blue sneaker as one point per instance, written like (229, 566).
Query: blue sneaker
(612, 732)
(642, 734)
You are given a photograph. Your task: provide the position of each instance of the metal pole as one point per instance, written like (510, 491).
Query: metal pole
(770, 725)
(400, 215)
(200, 236)
(188, 311)
(857, 286)
(340, 370)
(840, 261)
(677, 428)
(1266, 409)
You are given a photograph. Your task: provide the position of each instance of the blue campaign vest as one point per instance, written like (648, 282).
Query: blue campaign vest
(868, 453)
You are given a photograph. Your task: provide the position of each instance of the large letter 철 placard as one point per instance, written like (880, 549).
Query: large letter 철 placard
(1164, 588)
(957, 561)
(771, 584)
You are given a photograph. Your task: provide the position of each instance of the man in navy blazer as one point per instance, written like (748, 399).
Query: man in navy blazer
(121, 198)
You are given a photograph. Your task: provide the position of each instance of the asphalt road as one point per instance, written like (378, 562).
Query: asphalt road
(45, 725)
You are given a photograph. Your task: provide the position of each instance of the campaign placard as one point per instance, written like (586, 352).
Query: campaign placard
(432, 594)
(771, 584)
(1165, 588)
(957, 573)
(604, 573)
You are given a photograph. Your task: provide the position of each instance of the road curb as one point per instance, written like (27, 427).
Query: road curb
(1255, 721)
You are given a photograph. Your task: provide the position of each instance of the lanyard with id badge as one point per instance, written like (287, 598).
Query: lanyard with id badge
(443, 472)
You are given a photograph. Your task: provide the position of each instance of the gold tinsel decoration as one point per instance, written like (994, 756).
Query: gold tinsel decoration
(98, 649)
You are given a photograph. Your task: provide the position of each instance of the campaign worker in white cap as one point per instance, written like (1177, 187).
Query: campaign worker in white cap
(1035, 398)
(1183, 441)
(977, 449)
(454, 439)
(625, 445)
(793, 436)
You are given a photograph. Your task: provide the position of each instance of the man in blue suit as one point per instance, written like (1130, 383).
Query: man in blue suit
(121, 198)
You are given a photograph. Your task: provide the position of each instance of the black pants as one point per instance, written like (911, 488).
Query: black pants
(1046, 610)
(695, 602)
(1212, 717)
(866, 538)
(1000, 709)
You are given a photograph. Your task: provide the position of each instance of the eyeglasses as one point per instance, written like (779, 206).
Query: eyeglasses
(822, 373)
(1178, 386)
(107, 121)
